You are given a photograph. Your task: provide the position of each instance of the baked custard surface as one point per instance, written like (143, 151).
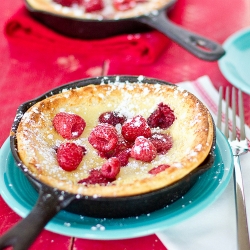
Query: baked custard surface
(109, 13)
(192, 132)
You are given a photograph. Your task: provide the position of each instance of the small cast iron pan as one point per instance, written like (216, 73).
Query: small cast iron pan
(199, 46)
(51, 200)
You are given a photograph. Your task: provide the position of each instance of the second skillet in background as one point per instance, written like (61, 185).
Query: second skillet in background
(157, 18)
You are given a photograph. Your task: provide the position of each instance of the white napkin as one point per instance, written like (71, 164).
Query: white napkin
(214, 228)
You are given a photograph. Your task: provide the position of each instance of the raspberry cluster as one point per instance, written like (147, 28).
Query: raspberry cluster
(134, 139)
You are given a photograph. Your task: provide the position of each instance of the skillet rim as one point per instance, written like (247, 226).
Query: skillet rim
(96, 81)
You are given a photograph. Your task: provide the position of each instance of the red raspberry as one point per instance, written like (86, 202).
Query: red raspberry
(143, 150)
(158, 169)
(96, 177)
(121, 151)
(163, 117)
(123, 156)
(93, 5)
(123, 5)
(137, 126)
(112, 118)
(106, 155)
(69, 156)
(111, 168)
(103, 137)
(69, 126)
(68, 3)
(162, 142)
(122, 145)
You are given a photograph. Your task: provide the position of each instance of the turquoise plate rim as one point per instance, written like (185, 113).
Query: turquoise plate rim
(206, 190)
(223, 62)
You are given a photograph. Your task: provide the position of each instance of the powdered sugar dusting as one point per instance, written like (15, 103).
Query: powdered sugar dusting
(41, 141)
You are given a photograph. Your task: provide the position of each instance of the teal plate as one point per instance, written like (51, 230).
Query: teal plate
(235, 64)
(21, 197)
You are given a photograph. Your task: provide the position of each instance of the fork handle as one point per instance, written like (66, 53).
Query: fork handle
(242, 226)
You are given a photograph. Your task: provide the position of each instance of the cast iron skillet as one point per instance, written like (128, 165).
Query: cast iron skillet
(51, 200)
(199, 46)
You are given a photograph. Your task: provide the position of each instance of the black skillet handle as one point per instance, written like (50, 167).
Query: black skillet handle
(199, 46)
(22, 235)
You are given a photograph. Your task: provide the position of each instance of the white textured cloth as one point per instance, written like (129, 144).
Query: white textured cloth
(214, 228)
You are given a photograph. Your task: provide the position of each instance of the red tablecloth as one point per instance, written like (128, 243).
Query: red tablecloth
(25, 74)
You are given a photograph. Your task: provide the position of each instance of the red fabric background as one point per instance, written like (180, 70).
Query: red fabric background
(23, 31)
(27, 72)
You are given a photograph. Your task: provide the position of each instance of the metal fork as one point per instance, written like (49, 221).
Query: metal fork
(239, 147)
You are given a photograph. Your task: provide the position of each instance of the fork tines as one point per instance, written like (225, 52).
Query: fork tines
(230, 124)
